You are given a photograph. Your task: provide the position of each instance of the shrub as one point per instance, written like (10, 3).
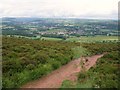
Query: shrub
(56, 64)
(82, 76)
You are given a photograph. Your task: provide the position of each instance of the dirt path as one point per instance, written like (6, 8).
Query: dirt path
(54, 79)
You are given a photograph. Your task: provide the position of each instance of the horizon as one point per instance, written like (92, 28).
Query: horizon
(63, 18)
(95, 9)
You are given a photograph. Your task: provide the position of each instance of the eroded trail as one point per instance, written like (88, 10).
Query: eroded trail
(54, 79)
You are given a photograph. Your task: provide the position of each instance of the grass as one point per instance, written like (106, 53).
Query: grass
(80, 51)
(93, 38)
(48, 38)
(86, 84)
(86, 39)
(76, 84)
(67, 84)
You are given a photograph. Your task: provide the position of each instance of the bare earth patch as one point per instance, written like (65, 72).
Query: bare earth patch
(68, 71)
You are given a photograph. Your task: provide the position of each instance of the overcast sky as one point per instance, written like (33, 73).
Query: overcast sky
(100, 9)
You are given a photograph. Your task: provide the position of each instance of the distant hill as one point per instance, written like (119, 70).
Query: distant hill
(43, 26)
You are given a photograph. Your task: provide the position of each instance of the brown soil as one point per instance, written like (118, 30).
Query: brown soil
(66, 72)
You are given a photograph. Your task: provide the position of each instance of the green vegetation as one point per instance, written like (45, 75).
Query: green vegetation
(99, 48)
(81, 39)
(108, 75)
(67, 84)
(80, 51)
(90, 39)
(104, 75)
(106, 72)
(53, 39)
(26, 59)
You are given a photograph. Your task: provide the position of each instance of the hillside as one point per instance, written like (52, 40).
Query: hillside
(26, 59)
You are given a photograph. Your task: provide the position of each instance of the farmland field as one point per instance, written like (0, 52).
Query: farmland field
(48, 38)
(84, 39)
(93, 38)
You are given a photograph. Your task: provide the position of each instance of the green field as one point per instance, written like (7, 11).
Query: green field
(93, 38)
(54, 39)
(86, 39)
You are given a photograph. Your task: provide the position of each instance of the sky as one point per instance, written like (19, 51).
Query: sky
(96, 9)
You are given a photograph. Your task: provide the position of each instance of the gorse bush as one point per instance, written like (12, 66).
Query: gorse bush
(99, 48)
(106, 72)
(25, 59)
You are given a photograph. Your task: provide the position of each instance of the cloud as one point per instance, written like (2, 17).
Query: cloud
(59, 8)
